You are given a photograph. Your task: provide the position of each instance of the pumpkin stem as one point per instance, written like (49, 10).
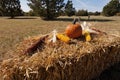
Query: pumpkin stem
(74, 21)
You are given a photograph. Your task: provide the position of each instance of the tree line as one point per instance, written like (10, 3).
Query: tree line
(51, 9)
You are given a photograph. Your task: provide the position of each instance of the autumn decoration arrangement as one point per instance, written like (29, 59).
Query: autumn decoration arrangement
(73, 31)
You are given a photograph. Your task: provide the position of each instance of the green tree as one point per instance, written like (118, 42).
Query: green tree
(111, 8)
(11, 8)
(47, 9)
(81, 13)
(30, 13)
(69, 9)
(1, 9)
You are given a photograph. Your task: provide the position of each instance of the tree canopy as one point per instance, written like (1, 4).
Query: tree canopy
(11, 8)
(1, 9)
(81, 13)
(69, 9)
(111, 8)
(47, 9)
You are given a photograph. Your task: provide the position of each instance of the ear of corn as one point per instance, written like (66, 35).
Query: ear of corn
(87, 36)
(63, 38)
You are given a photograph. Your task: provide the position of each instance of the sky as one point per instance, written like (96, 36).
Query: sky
(90, 5)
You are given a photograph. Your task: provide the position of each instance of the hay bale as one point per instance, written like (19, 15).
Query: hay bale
(112, 73)
(60, 61)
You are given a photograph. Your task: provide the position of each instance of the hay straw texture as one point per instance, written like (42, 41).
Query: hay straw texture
(78, 60)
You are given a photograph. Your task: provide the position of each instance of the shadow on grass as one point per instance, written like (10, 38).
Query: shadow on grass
(68, 19)
(23, 18)
(99, 20)
(82, 19)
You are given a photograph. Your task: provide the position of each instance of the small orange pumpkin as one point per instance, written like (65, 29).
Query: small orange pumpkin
(73, 30)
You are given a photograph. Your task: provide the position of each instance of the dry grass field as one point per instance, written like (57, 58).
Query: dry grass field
(12, 31)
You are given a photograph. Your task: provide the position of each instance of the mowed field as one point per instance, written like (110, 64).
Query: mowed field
(13, 31)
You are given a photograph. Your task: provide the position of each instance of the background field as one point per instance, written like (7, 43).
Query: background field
(12, 31)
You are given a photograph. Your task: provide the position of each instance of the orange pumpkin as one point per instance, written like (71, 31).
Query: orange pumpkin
(73, 30)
